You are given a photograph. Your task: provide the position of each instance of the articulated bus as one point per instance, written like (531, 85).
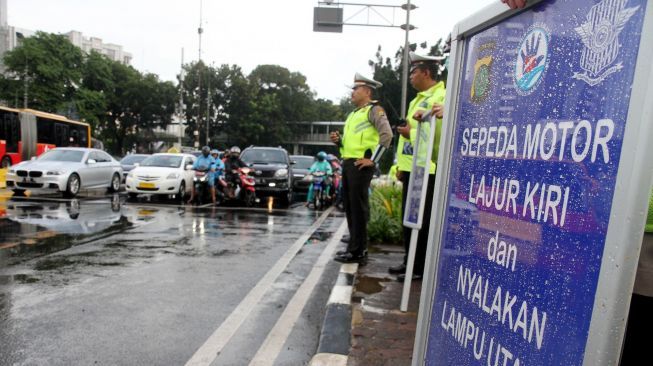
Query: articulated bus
(25, 133)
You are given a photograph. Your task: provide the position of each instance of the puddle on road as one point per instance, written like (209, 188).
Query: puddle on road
(319, 236)
(370, 285)
(17, 278)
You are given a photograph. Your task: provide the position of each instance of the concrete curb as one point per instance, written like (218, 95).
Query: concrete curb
(335, 338)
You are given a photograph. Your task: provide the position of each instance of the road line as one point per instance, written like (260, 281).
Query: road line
(209, 351)
(273, 344)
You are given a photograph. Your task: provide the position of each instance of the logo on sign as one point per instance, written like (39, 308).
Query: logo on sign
(600, 36)
(532, 60)
(482, 73)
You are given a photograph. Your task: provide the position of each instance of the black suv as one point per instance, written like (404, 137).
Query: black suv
(272, 170)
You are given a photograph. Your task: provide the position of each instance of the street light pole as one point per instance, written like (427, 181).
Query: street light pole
(199, 81)
(208, 106)
(404, 73)
(181, 100)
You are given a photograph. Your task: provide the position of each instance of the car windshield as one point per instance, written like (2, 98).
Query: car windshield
(63, 155)
(164, 161)
(260, 156)
(303, 162)
(133, 159)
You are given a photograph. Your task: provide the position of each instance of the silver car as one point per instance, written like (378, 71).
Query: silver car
(66, 170)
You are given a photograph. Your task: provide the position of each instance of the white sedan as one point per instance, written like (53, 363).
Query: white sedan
(167, 174)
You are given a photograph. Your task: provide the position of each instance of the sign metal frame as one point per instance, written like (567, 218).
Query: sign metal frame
(626, 224)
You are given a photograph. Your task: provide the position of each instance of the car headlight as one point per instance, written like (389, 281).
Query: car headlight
(281, 173)
(11, 171)
(54, 172)
(130, 174)
(173, 176)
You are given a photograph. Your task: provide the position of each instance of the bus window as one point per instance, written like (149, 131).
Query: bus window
(45, 131)
(10, 131)
(78, 136)
(61, 134)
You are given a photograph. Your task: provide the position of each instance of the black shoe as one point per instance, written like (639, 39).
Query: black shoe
(352, 258)
(415, 277)
(400, 269)
(345, 239)
(342, 252)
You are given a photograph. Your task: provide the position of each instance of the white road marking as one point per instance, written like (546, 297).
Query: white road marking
(209, 351)
(350, 268)
(340, 295)
(273, 344)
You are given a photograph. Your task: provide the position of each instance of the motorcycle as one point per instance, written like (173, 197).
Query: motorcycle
(241, 190)
(320, 182)
(201, 184)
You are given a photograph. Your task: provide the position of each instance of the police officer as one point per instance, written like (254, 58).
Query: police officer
(425, 77)
(366, 136)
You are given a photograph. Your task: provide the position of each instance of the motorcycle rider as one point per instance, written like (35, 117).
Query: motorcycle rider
(219, 168)
(336, 196)
(321, 165)
(231, 165)
(205, 162)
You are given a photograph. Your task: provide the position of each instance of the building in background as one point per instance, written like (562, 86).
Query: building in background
(112, 51)
(10, 38)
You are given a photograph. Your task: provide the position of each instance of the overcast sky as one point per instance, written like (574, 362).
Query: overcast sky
(242, 32)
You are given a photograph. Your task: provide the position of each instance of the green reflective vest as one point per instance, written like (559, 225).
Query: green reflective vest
(360, 134)
(423, 101)
(649, 220)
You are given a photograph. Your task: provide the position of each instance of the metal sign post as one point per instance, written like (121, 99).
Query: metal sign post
(415, 200)
(544, 180)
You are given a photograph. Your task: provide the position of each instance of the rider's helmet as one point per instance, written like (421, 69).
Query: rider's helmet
(206, 150)
(215, 152)
(321, 156)
(330, 158)
(235, 151)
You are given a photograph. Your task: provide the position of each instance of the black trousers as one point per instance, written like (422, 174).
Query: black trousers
(356, 188)
(422, 239)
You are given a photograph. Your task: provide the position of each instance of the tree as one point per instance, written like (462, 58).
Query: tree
(53, 69)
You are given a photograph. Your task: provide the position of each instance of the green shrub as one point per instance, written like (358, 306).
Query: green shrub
(385, 224)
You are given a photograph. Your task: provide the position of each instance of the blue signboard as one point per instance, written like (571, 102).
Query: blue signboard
(418, 182)
(542, 107)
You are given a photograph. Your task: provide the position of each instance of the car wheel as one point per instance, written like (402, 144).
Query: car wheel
(182, 191)
(73, 185)
(6, 163)
(286, 199)
(115, 183)
(19, 192)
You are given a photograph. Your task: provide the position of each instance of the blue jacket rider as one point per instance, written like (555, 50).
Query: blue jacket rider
(205, 162)
(321, 165)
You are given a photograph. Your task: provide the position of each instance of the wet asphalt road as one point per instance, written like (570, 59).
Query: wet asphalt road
(102, 281)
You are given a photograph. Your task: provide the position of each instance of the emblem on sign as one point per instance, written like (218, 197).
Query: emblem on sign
(482, 73)
(600, 36)
(532, 60)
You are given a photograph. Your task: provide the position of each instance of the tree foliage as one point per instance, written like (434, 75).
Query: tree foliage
(124, 105)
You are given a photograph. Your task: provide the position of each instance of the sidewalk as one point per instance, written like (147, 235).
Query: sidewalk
(381, 334)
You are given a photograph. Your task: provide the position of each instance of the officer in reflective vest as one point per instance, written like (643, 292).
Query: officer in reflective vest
(425, 77)
(366, 136)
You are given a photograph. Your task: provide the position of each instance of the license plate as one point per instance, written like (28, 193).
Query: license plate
(145, 185)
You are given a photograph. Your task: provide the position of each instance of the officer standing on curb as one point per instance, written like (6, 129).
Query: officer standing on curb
(366, 136)
(425, 75)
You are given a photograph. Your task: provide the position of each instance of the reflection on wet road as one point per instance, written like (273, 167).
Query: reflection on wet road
(102, 281)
